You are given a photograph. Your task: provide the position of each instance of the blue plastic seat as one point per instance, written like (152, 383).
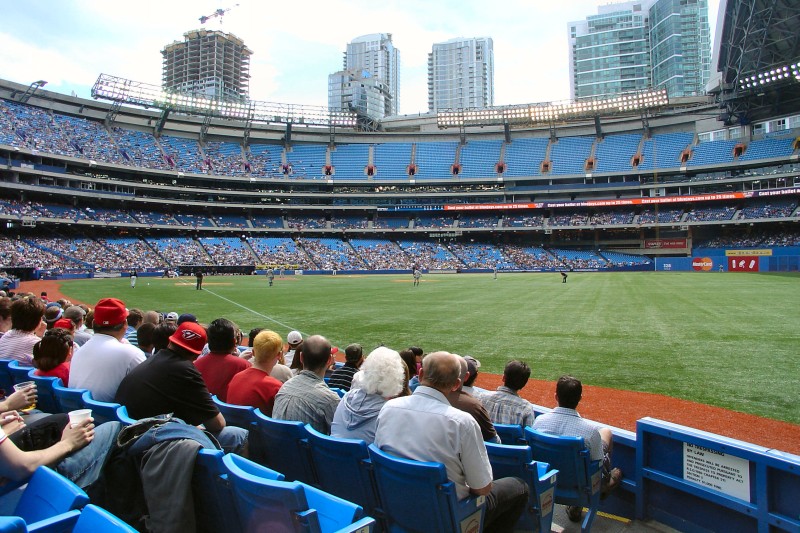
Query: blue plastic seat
(510, 434)
(47, 495)
(124, 417)
(94, 519)
(101, 411)
(336, 460)
(19, 373)
(6, 381)
(517, 461)
(417, 496)
(282, 445)
(46, 400)
(578, 481)
(270, 505)
(215, 505)
(68, 399)
(243, 416)
(12, 524)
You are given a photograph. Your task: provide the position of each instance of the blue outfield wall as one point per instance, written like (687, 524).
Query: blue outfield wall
(757, 259)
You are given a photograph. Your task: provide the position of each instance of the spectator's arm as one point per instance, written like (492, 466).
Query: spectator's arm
(483, 491)
(18, 465)
(216, 424)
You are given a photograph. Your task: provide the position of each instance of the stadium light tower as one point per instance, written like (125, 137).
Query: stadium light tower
(32, 88)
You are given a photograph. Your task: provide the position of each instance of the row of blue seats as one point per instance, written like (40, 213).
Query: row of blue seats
(51, 503)
(382, 483)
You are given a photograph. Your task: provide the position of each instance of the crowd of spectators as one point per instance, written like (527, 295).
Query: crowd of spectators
(114, 254)
(228, 251)
(753, 239)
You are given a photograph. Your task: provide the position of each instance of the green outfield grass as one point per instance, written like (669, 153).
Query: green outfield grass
(725, 339)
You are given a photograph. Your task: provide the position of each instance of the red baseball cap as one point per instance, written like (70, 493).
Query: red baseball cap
(64, 323)
(190, 336)
(110, 312)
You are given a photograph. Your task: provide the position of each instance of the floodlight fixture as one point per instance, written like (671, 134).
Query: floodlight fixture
(530, 114)
(32, 88)
(789, 72)
(143, 94)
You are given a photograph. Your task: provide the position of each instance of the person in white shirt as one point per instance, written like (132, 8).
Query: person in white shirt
(102, 363)
(425, 427)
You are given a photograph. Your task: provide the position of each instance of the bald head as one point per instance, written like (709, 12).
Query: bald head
(316, 353)
(441, 370)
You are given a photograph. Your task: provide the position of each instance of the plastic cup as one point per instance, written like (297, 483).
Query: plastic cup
(78, 416)
(22, 386)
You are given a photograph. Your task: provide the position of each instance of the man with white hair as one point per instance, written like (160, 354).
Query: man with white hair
(379, 379)
(425, 427)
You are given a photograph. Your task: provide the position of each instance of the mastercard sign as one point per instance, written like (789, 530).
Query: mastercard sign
(702, 263)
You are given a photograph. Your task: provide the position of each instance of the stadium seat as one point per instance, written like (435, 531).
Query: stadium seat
(19, 373)
(124, 417)
(6, 381)
(578, 481)
(101, 411)
(46, 400)
(282, 445)
(336, 460)
(417, 496)
(242, 416)
(214, 502)
(94, 519)
(339, 392)
(12, 524)
(517, 461)
(47, 495)
(265, 504)
(68, 399)
(510, 434)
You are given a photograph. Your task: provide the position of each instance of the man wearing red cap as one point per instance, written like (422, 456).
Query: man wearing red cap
(102, 363)
(168, 382)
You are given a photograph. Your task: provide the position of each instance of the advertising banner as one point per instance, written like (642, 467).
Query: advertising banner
(743, 264)
(660, 244)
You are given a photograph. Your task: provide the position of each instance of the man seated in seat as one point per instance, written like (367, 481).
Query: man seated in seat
(222, 362)
(168, 382)
(564, 420)
(306, 397)
(472, 406)
(425, 427)
(101, 363)
(255, 386)
(342, 378)
(505, 405)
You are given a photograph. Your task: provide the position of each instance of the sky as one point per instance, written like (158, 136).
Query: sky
(295, 44)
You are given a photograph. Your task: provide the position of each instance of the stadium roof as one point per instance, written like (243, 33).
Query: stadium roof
(758, 37)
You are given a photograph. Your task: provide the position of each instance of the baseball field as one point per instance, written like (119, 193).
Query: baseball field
(724, 339)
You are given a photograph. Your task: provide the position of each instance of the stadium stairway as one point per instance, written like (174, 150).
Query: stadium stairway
(606, 523)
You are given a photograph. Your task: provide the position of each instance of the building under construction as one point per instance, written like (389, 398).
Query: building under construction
(208, 63)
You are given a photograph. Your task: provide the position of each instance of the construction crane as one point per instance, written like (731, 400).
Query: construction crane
(216, 14)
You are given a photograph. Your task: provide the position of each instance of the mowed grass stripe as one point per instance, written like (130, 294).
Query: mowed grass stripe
(724, 339)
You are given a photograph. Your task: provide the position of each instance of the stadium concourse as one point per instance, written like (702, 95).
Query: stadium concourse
(619, 408)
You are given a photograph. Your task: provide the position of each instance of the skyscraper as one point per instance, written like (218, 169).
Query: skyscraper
(207, 63)
(370, 79)
(638, 45)
(461, 74)
(680, 39)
